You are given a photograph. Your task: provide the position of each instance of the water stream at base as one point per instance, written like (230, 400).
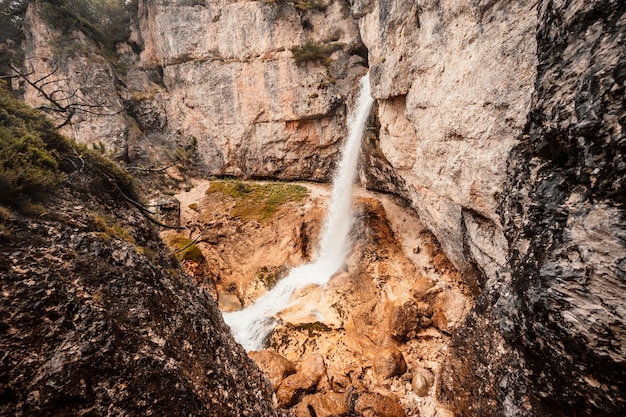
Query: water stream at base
(252, 324)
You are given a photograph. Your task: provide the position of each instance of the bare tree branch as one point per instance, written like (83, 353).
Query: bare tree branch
(143, 209)
(63, 104)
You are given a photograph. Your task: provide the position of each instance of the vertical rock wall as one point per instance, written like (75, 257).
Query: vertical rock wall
(234, 83)
(547, 335)
(453, 80)
(72, 71)
(564, 215)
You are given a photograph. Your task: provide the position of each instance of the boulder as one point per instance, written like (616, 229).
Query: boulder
(275, 366)
(322, 405)
(404, 321)
(389, 362)
(422, 380)
(291, 390)
(377, 405)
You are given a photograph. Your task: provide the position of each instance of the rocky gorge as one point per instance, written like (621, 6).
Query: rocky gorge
(499, 124)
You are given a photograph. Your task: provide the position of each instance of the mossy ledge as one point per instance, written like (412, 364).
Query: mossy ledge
(257, 201)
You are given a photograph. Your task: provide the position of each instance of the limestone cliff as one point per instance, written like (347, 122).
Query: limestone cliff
(453, 80)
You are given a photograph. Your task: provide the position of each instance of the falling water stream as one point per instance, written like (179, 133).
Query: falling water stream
(252, 324)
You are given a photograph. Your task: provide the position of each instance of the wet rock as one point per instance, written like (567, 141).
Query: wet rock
(275, 366)
(389, 362)
(304, 381)
(423, 380)
(376, 405)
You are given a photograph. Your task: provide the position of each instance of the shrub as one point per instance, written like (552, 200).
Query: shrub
(34, 157)
(315, 52)
(28, 151)
(106, 21)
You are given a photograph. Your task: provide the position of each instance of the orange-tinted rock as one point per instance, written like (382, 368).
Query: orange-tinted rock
(302, 382)
(389, 362)
(424, 289)
(404, 321)
(376, 405)
(423, 379)
(322, 405)
(448, 309)
(274, 366)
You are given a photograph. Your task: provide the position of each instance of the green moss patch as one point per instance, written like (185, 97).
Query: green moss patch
(185, 248)
(107, 229)
(257, 201)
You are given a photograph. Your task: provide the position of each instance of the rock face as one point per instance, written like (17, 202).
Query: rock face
(232, 81)
(98, 319)
(77, 76)
(563, 208)
(560, 303)
(453, 81)
(223, 73)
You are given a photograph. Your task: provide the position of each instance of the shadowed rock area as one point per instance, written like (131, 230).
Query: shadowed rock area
(98, 319)
(556, 315)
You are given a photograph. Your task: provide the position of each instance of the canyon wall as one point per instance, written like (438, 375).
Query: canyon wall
(500, 122)
(453, 80)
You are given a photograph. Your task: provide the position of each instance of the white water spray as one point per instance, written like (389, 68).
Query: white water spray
(252, 324)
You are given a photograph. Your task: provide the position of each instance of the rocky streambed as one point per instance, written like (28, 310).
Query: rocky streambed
(370, 342)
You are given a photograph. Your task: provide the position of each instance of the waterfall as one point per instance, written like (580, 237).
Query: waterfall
(252, 324)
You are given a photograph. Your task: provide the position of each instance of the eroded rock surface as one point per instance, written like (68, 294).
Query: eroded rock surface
(557, 312)
(369, 330)
(98, 318)
(453, 81)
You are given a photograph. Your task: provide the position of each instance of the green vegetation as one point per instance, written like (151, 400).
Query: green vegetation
(5, 215)
(256, 201)
(269, 275)
(34, 157)
(11, 34)
(304, 5)
(106, 21)
(314, 329)
(108, 229)
(185, 248)
(315, 52)
(29, 151)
